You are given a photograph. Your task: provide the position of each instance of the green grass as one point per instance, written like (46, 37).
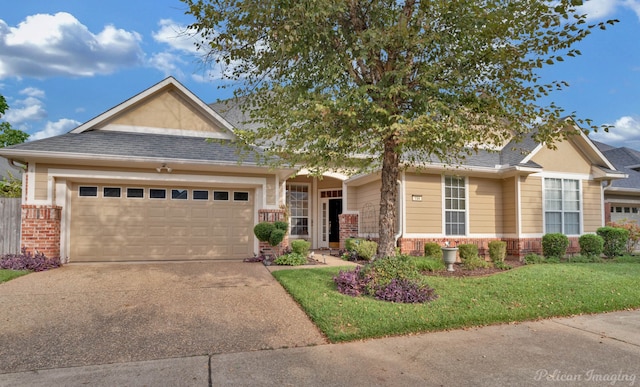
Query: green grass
(527, 293)
(6, 275)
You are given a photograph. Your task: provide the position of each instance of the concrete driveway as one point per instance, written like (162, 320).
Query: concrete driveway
(111, 313)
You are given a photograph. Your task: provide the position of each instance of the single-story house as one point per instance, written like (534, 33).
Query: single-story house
(622, 197)
(141, 182)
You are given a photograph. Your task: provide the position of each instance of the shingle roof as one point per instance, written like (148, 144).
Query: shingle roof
(624, 158)
(110, 143)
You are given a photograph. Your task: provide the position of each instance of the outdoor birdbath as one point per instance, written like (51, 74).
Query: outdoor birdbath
(449, 256)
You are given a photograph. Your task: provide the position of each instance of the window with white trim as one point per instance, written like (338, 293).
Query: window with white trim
(562, 206)
(455, 207)
(298, 203)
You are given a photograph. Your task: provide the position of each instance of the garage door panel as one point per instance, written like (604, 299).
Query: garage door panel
(122, 229)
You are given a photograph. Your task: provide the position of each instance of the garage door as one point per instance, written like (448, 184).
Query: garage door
(140, 223)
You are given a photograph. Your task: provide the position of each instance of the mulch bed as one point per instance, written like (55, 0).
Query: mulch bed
(460, 271)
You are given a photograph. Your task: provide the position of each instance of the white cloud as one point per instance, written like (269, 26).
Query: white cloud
(168, 63)
(177, 36)
(55, 128)
(32, 92)
(30, 108)
(625, 132)
(47, 45)
(601, 9)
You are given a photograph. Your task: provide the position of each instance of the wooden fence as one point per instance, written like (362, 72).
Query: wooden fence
(10, 212)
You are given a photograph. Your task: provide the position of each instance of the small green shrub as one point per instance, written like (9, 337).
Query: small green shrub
(497, 251)
(552, 260)
(383, 270)
(432, 249)
(428, 264)
(366, 249)
(300, 246)
(474, 263)
(502, 266)
(554, 245)
(588, 258)
(533, 258)
(615, 240)
(281, 225)
(467, 251)
(351, 243)
(591, 245)
(263, 231)
(277, 236)
(292, 259)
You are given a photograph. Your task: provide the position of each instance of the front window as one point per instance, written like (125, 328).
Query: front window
(298, 203)
(455, 213)
(562, 206)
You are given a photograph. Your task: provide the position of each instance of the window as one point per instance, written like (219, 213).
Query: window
(298, 203)
(179, 194)
(88, 191)
(562, 206)
(455, 213)
(200, 195)
(111, 192)
(135, 192)
(241, 196)
(157, 193)
(220, 195)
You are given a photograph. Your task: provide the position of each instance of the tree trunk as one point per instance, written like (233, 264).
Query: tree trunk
(388, 198)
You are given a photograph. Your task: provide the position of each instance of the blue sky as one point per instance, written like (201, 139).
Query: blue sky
(64, 62)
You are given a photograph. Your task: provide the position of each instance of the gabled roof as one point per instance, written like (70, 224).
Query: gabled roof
(626, 160)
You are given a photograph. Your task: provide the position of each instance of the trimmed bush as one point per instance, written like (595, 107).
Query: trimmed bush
(292, 259)
(554, 245)
(263, 231)
(615, 240)
(277, 236)
(351, 243)
(433, 250)
(497, 251)
(474, 263)
(467, 251)
(591, 245)
(383, 270)
(300, 246)
(366, 249)
(281, 225)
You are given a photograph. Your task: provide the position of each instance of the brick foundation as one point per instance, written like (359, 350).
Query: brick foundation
(272, 216)
(348, 227)
(41, 229)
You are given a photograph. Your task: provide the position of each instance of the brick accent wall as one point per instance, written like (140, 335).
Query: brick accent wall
(41, 229)
(272, 216)
(607, 213)
(348, 227)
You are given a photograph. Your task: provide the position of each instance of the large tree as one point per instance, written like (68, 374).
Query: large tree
(8, 135)
(389, 84)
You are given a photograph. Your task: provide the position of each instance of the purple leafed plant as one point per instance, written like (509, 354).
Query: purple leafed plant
(350, 283)
(28, 261)
(406, 291)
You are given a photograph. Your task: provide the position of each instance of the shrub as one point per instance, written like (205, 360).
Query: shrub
(533, 258)
(366, 249)
(382, 271)
(502, 266)
(428, 264)
(474, 263)
(554, 245)
(351, 243)
(300, 246)
(497, 251)
(281, 225)
(277, 235)
(28, 261)
(591, 245)
(406, 291)
(432, 249)
(587, 258)
(291, 259)
(263, 231)
(350, 282)
(615, 240)
(467, 251)
(634, 232)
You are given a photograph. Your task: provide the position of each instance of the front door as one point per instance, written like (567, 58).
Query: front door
(329, 222)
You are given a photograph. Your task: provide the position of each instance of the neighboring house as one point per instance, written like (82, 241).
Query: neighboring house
(622, 197)
(7, 169)
(140, 182)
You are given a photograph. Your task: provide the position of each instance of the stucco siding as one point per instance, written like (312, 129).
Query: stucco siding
(423, 216)
(592, 206)
(509, 206)
(485, 206)
(531, 205)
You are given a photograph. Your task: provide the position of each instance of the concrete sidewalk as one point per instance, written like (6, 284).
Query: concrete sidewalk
(593, 350)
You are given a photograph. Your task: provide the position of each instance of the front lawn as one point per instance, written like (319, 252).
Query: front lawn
(6, 275)
(527, 293)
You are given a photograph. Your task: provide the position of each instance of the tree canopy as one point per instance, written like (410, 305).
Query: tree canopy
(388, 84)
(8, 135)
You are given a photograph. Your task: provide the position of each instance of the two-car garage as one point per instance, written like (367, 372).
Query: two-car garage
(135, 222)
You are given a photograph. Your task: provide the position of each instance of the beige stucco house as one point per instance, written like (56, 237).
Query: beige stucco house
(141, 182)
